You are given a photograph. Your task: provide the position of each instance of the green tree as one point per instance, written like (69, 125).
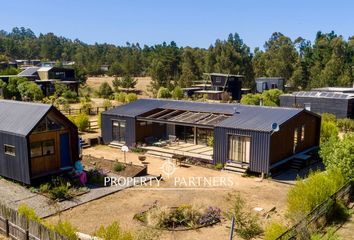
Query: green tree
(163, 93)
(126, 82)
(105, 90)
(12, 90)
(328, 130)
(177, 93)
(339, 154)
(30, 91)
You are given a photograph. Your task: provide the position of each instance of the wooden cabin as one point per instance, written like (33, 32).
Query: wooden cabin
(36, 140)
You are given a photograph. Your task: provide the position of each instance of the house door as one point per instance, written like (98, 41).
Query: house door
(65, 159)
(239, 148)
(118, 131)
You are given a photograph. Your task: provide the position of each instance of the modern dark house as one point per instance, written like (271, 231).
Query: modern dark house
(266, 83)
(216, 85)
(46, 77)
(241, 134)
(36, 140)
(341, 104)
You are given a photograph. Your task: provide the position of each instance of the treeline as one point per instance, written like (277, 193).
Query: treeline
(328, 61)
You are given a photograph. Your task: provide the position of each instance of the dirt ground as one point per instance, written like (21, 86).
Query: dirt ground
(142, 84)
(122, 206)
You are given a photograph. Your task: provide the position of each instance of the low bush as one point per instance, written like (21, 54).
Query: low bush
(219, 166)
(29, 213)
(131, 97)
(113, 232)
(66, 229)
(246, 222)
(118, 167)
(184, 216)
(81, 121)
(163, 93)
(61, 192)
(120, 97)
(273, 231)
(96, 176)
(345, 124)
(307, 194)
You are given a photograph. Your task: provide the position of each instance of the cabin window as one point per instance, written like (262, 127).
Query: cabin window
(302, 133)
(296, 131)
(10, 150)
(239, 148)
(48, 124)
(44, 148)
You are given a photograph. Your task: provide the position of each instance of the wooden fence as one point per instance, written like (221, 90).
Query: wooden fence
(19, 227)
(89, 111)
(317, 218)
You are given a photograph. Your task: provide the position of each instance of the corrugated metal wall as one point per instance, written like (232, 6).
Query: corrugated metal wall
(14, 167)
(259, 155)
(106, 122)
(338, 107)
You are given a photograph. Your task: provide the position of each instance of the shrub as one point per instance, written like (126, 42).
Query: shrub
(82, 122)
(177, 93)
(61, 192)
(273, 231)
(339, 213)
(163, 93)
(71, 96)
(120, 97)
(66, 229)
(86, 105)
(246, 222)
(328, 117)
(25, 210)
(328, 130)
(107, 103)
(219, 166)
(306, 195)
(118, 167)
(131, 97)
(104, 91)
(96, 176)
(345, 124)
(339, 154)
(113, 232)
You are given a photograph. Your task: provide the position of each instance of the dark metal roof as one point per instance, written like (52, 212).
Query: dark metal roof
(269, 78)
(20, 117)
(249, 117)
(29, 71)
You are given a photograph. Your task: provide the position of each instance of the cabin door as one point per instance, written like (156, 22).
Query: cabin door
(65, 159)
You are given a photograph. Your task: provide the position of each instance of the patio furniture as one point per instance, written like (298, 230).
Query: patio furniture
(142, 158)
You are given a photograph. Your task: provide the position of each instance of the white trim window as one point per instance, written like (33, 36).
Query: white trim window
(9, 150)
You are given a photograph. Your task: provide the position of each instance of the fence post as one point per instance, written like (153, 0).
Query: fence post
(27, 234)
(7, 228)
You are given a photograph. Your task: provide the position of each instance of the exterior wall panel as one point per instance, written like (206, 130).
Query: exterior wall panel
(14, 167)
(339, 107)
(106, 122)
(259, 153)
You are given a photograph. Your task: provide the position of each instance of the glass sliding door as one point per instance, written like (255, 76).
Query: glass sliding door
(118, 131)
(239, 148)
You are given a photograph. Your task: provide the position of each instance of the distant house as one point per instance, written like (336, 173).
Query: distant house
(36, 140)
(339, 103)
(266, 83)
(242, 135)
(45, 77)
(217, 85)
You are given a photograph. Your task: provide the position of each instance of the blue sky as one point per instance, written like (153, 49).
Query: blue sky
(196, 23)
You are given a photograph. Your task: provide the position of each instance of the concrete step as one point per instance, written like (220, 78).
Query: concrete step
(237, 165)
(116, 145)
(234, 170)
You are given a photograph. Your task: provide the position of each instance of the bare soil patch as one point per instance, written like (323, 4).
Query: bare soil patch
(123, 205)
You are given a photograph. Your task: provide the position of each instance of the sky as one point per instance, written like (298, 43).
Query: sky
(195, 23)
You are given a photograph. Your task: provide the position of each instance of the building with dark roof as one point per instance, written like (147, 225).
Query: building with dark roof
(242, 134)
(266, 83)
(339, 103)
(36, 140)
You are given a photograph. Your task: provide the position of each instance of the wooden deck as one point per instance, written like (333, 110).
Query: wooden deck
(184, 149)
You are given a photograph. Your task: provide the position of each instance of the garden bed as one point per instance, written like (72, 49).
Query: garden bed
(119, 168)
(181, 218)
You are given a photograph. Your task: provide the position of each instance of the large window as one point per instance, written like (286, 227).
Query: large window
(10, 150)
(48, 124)
(44, 148)
(118, 131)
(239, 148)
